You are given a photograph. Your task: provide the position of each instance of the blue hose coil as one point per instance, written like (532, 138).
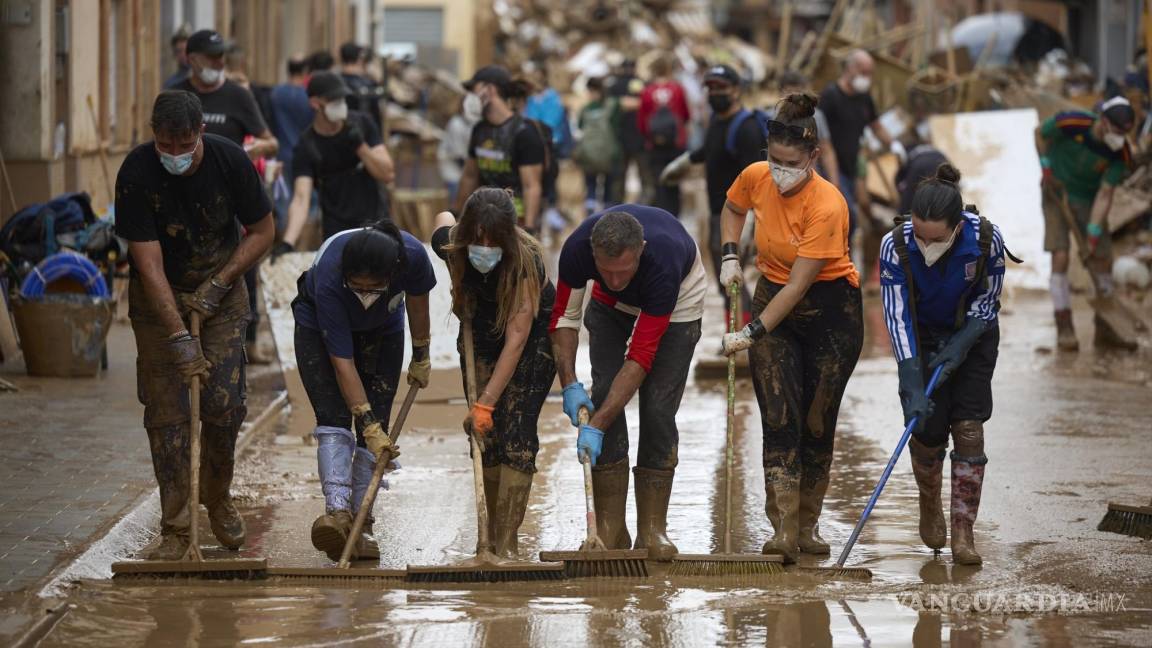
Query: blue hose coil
(64, 265)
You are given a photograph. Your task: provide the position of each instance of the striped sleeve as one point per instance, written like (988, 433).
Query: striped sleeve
(986, 306)
(568, 310)
(894, 293)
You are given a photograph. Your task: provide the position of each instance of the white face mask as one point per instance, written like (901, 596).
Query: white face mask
(367, 299)
(473, 107)
(336, 111)
(211, 76)
(1114, 141)
(933, 251)
(786, 178)
(861, 83)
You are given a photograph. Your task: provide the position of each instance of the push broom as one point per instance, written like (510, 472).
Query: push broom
(1128, 520)
(192, 564)
(593, 559)
(344, 570)
(727, 563)
(485, 567)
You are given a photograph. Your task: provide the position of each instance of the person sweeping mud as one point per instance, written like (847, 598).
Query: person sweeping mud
(180, 202)
(941, 274)
(499, 282)
(807, 328)
(1084, 158)
(643, 324)
(349, 337)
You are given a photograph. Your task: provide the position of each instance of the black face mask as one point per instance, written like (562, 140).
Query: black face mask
(720, 103)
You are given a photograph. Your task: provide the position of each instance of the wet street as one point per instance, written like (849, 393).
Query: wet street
(1067, 437)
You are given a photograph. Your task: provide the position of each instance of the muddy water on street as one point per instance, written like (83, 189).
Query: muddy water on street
(1066, 438)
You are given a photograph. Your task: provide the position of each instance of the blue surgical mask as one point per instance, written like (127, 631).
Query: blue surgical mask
(178, 164)
(484, 258)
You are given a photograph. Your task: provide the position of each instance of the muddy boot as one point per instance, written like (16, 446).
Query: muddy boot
(515, 487)
(610, 490)
(968, 461)
(653, 488)
(928, 467)
(169, 446)
(366, 547)
(166, 547)
(782, 504)
(491, 502)
(330, 533)
(1106, 337)
(227, 524)
(1066, 332)
(810, 504)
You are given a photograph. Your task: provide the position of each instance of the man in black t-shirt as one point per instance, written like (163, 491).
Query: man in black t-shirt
(343, 156)
(849, 108)
(626, 88)
(506, 150)
(181, 202)
(364, 93)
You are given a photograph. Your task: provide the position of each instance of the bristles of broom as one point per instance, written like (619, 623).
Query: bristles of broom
(486, 574)
(840, 573)
(633, 568)
(705, 567)
(1133, 521)
(360, 576)
(181, 571)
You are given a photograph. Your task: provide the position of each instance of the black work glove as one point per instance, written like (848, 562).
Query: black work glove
(917, 405)
(184, 351)
(956, 349)
(206, 300)
(283, 247)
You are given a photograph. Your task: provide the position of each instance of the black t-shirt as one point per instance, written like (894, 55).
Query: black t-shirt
(230, 111)
(847, 115)
(721, 167)
(629, 129)
(484, 288)
(195, 218)
(501, 150)
(349, 195)
(365, 97)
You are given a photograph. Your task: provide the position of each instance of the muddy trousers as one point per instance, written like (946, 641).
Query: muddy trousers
(164, 394)
(343, 461)
(799, 372)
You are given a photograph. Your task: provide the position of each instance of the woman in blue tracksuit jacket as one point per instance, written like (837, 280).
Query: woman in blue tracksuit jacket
(941, 274)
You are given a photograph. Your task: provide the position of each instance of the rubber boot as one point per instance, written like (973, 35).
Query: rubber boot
(169, 447)
(810, 504)
(653, 489)
(781, 505)
(610, 493)
(968, 462)
(363, 465)
(334, 448)
(928, 467)
(1066, 332)
(1107, 337)
(491, 501)
(515, 487)
(217, 465)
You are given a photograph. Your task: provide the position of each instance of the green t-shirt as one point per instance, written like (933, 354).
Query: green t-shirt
(1081, 169)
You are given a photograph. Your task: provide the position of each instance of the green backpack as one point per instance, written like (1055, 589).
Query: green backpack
(598, 150)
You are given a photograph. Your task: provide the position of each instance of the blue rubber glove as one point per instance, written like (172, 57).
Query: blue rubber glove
(912, 398)
(590, 440)
(574, 398)
(956, 349)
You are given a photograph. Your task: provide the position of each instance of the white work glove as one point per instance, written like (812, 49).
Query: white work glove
(744, 338)
(731, 270)
(899, 150)
(676, 169)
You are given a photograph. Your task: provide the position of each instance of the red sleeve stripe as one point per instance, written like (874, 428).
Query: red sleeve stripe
(604, 298)
(646, 338)
(563, 293)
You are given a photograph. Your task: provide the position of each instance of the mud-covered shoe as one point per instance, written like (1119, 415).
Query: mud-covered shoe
(653, 488)
(967, 484)
(330, 533)
(227, 524)
(167, 547)
(782, 507)
(610, 492)
(1066, 332)
(928, 467)
(811, 503)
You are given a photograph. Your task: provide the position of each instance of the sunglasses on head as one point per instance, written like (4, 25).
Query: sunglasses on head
(791, 131)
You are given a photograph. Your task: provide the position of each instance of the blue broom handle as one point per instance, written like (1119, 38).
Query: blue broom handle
(887, 472)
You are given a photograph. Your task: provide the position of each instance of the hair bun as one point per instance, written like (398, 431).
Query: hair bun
(947, 173)
(799, 105)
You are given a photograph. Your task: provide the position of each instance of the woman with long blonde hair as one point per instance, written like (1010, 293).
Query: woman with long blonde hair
(499, 285)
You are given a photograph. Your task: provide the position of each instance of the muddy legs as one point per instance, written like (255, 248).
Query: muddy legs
(968, 462)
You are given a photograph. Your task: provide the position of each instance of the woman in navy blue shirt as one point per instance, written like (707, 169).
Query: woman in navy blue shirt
(349, 348)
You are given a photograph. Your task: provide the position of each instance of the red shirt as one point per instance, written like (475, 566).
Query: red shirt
(671, 94)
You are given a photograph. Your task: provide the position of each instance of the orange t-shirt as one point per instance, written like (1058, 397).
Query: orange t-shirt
(812, 224)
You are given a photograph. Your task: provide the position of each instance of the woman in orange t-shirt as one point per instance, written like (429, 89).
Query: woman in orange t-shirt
(807, 330)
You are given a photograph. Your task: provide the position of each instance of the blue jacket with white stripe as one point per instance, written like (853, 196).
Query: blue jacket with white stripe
(940, 288)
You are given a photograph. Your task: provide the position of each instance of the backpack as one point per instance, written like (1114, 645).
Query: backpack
(663, 127)
(737, 121)
(39, 230)
(599, 148)
(551, 168)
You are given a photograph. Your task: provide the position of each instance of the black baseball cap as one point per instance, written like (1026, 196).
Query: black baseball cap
(206, 41)
(327, 85)
(497, 75)
(723, 74)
